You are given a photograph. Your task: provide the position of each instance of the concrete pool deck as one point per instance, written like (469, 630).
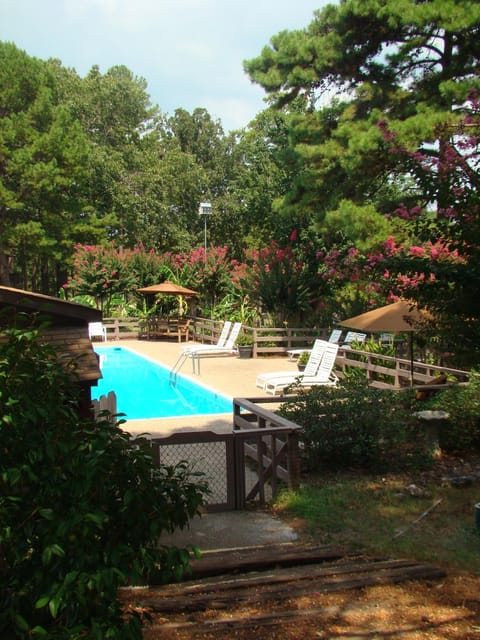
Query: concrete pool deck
(229, 375)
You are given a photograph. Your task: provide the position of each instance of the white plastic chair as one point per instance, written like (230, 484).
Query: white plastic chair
(311, 368)
(97, 330)
(319, 371)
(211, 347)
(353, 336)
(335, 335)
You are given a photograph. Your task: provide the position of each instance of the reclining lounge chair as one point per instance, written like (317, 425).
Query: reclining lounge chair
(320, 372)
(318, 351)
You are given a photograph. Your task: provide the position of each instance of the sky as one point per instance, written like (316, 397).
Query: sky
(190, 52)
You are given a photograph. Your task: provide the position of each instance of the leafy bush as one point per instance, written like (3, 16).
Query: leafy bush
(357, 375)
(81, 508)
(245, 339)
(352, 425)
(303, 358)
(463, 405)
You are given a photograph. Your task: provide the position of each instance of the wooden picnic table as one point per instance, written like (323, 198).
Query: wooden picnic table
(156, 327)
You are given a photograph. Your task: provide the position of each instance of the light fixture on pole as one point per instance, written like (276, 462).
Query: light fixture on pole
(205, 210)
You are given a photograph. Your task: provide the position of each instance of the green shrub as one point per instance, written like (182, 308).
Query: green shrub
(357, 375)
(353, 425)
(463, 405)
(303, 358)
(81, 509)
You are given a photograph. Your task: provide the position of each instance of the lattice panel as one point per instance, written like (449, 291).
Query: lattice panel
(208, 458)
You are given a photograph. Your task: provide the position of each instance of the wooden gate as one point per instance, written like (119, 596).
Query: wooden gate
(250, 464)
(211, 454)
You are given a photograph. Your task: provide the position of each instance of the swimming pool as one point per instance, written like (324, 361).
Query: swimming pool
(144, 389)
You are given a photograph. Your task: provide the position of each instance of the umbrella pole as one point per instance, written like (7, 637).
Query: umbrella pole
(411, 358)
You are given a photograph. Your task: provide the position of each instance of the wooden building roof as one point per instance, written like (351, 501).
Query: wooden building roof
(66, 326)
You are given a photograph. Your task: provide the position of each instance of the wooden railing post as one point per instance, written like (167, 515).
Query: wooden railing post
(239, 472)
(293, 460)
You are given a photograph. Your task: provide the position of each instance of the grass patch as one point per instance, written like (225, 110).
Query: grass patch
(376, 515)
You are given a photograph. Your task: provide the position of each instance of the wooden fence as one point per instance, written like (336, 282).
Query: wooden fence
(389, 372)
(266, 341)
(105, 403)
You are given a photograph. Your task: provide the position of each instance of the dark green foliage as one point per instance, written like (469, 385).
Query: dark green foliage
(463, 405)
(353, 426)
(80, 507)
(356, 374)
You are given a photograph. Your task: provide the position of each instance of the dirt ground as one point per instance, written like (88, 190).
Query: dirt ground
(446, 609)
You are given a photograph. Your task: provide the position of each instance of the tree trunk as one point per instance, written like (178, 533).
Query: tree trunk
(4, 270)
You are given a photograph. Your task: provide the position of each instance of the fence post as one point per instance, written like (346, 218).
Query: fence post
(397, 372)
(293, 459)
(289, 338)
(239, 471)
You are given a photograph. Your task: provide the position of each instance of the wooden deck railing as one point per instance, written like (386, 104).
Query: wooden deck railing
(122, 328)
(389, 372)
(269, 444)
(266, 341)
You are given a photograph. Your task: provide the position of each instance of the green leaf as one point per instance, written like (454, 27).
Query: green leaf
(21, 623)
(50, 551)
(54, 606)
(98, 519)
(42, 602)
(48, 514)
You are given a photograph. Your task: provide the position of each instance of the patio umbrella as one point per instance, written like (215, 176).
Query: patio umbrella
(398, 317)
(168, 288)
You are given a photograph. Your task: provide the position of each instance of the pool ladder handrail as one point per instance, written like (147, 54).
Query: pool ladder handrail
(184, 355)
(177, 366)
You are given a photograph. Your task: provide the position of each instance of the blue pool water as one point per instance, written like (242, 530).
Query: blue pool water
(144, 389)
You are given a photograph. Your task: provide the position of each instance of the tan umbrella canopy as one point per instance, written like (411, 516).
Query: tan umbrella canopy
(168, 287)
(398, 317)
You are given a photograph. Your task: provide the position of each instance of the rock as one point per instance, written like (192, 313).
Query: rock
(416, 491)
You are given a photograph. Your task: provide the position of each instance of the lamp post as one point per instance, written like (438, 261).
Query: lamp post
(205, 210)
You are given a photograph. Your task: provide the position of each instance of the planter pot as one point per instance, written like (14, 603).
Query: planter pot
(245, 351)
(301, 367)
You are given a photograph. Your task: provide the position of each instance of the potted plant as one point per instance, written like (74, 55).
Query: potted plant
(245, 345)
(302, 360)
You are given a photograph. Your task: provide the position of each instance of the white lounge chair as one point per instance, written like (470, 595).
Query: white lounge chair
(97, 330)
(222, 339)
(323, 375)
(311, 367)
(353, 336)
(333, 337)
(229, 348)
